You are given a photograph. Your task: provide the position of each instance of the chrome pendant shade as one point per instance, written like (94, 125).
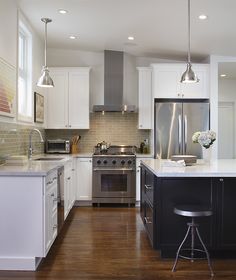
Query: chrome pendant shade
(189, 76)
(45, 80)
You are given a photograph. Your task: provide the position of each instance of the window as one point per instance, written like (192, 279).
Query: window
(24, 73)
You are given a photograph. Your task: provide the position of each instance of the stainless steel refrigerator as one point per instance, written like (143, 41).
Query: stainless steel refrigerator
(175, 122)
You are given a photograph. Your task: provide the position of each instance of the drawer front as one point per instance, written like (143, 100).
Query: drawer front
(148, 220)
(51, 179)
(54, 225)
(149, 186)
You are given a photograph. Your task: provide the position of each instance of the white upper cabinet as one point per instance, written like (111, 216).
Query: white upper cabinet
(144, 98)
(166, 81)
(68, 101)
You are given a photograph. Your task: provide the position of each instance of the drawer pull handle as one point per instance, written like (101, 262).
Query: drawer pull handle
(147, 221)
(148, 187)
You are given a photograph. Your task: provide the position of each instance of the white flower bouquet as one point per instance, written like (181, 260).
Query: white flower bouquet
(204, 138)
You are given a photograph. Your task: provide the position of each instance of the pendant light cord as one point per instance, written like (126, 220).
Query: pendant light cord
(45, 45)
(189, 31)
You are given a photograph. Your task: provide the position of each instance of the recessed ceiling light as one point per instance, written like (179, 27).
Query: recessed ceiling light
(61, 11)
(223, 75)
(131, 38)
(72, 37)
(202, 17)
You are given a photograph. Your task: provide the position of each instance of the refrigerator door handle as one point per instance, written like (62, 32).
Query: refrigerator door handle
(180, 133)
(185, 133)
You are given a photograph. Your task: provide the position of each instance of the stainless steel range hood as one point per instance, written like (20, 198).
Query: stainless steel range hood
(113, 84)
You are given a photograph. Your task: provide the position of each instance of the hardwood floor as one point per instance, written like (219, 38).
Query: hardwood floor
(110, 244)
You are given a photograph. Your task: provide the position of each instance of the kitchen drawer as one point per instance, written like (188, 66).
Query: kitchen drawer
(149, 186)
(148, 220)
(54, 225)
(51, 179)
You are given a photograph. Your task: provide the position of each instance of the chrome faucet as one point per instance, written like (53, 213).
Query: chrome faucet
(30, 152)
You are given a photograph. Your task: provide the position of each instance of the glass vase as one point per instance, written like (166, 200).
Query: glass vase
(206, 155)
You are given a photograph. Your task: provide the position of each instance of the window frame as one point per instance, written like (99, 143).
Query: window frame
(25, 34)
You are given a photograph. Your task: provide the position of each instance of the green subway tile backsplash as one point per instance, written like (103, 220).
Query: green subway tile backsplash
(114, 128)
(14, 140)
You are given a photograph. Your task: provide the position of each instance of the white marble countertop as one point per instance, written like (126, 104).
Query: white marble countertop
(35, 167)
(216, 168)
(82, 155)
(138, 155)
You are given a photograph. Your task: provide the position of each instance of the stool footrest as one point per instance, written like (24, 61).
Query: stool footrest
(190, 257)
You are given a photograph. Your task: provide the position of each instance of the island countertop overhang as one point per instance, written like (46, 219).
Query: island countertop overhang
(216, 168)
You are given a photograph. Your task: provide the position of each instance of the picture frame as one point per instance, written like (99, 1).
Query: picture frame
(38, 108)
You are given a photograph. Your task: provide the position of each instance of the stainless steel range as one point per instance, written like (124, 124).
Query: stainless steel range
(114, 175)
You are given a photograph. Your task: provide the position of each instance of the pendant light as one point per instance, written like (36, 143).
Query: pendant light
(45, 80)
(189, 76)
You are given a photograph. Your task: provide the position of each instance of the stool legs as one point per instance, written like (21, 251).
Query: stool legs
(194, 228)
(207, 254)
(178, 251)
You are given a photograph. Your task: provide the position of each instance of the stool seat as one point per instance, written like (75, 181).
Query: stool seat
(192, 211)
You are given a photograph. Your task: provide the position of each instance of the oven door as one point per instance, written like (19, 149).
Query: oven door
(112, 183)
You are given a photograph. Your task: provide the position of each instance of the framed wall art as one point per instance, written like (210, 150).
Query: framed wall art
(38, 108)
(7, 89)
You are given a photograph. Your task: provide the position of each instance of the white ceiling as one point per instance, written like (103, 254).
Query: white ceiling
(159, 26)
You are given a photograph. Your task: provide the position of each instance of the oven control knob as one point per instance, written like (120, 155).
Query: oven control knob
(114, 161)
(105, 161)
(129, 161)
(122, 162)
(99, 161)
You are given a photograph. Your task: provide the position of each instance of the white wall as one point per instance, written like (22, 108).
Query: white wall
(8, 31)
(8, 46)
(227, 90)
(214, 62)
(227, 93)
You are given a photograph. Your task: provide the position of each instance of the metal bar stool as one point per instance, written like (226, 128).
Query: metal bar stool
(192, 211)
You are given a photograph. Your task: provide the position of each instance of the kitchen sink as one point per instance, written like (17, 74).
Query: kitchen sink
(49, 159)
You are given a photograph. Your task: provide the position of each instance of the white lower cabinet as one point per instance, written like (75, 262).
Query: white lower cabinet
(69, 189)
(84, 179)
(28, 218)
(50, 210)
(138, 160)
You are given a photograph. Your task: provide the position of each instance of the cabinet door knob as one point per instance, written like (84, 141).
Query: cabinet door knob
(221, 180)
(141, 125)
(182, 95)
(178, 94)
